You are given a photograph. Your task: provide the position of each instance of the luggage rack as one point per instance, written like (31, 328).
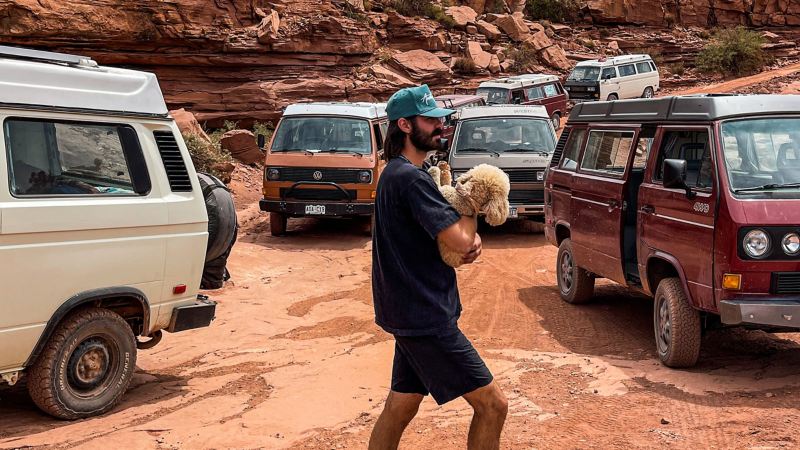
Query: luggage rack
(48, 57)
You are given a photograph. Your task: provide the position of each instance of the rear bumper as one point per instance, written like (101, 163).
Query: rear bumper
(332, 209)
(189, 317)
(778, 313)
(528, 209)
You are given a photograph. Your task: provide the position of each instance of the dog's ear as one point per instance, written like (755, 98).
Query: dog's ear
(496, 211)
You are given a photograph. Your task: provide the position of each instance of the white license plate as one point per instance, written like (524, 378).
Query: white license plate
(512, 212)
(315, 209)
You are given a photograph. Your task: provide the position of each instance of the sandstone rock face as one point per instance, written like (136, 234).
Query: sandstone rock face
(241, 144)
(696, 12)
(487, 29)
(481, 58)
(477, 5)
(410, 33)
(462, 15)
(421, 66)
(188, 124)
(514, 26)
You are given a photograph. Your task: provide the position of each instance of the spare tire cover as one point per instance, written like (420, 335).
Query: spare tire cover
(221, 216)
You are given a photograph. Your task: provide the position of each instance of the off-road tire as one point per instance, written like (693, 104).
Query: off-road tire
(678, 345)
(648, 92)
(56, 389)
(277, 224)
(556, 119)
(578, 286)
(612, 97)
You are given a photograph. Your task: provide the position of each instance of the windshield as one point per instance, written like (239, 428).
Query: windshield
(494, 96)
(762, 153)
(325, 134)
(506, 134)
(584, 73)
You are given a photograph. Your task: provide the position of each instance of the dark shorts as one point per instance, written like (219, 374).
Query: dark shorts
(446, 366)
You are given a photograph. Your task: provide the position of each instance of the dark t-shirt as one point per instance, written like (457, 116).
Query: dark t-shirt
(414, 291)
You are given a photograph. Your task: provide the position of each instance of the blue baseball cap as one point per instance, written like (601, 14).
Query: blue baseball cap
(414, 101)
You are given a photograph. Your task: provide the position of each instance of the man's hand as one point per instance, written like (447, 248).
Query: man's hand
(475, 250)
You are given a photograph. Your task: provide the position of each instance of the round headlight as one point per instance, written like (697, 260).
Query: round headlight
(756, 243)
(365, 176)
(791, 244)
(273, 174)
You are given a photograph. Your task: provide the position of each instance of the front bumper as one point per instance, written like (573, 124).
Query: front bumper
(332, 209)
(778, 313)
(189, 317)
(527, 209)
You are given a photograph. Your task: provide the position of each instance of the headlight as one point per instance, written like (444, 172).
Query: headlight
(756, 243)
(591, 89)
(273, 174)
(365, 176)
(791, 244)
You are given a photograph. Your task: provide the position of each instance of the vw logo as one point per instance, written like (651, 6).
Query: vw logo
(317, 175)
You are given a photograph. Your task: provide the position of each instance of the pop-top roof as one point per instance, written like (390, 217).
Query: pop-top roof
(33, 78)
(504, 111)
(689, 108)
(519, 81)
(615, 61)
(359, 109)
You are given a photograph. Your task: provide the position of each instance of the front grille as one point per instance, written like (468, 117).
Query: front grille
(329, 175)
(523, 176)
(786, 283)
(317, 194)
(526, 196)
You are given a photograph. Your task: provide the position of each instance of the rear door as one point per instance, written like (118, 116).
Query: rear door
(597, 201)
(556, 100)
(674, 224)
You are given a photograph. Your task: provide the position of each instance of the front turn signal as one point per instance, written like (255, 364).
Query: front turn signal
(732, 281)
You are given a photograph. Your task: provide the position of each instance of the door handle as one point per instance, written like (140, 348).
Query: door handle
(648, 209)
(612, 205)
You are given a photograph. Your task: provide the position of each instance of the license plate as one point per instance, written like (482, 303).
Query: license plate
(315, 209)
(512, 212)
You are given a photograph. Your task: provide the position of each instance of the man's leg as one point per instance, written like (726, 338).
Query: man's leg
(397, 413)
(490, 406)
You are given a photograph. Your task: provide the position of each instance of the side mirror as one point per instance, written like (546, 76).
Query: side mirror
(675, 176)
(261, 140)
(517, 101)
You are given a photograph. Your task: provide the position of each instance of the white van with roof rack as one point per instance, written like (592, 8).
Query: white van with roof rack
(103, 228)
(617, 78)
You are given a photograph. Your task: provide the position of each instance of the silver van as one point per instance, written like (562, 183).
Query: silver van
(518, 139)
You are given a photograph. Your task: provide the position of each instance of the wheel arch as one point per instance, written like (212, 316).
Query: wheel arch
(660, 266)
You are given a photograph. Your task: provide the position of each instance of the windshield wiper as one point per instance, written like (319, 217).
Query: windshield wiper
(283, 150)
(336, 150)
(767, 187)
(478, 150)
(525, 150)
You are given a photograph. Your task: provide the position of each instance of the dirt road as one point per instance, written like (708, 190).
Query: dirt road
(294, 360)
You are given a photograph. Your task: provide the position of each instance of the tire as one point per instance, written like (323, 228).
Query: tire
(575, 284)
(221, 216)
(612, 97)
(556, 120)
(277, 224)
(677, 325)
(648, 92)
(61, 381)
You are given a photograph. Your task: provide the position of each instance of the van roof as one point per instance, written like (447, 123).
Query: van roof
(48, 80)
(358, 109)
(519, 81)
(615, 61)
(456, 100)
(687, 108)
(475, 112)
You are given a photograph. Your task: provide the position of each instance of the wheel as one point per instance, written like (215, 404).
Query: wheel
(612, 97)
(648, 92)
(556, 120)
(277, 224)
(86, 365)
(575, 284)
(677, 325)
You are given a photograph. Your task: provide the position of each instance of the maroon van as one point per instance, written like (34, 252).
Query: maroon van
(456, 102)
(693, 200)
(528, 89)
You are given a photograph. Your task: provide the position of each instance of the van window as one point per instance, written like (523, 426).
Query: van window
(692, 146)
(501, 134)
(584, 73)
(759, 152)
(70, 158)
(535, 93)
(517, 96)
(643, 67)
(607, 151)
(641, 152)
(327, 134)
(627, 70)
(609, 72)
(653, 65)
(572, 150)
(493, 96)
(550, 90)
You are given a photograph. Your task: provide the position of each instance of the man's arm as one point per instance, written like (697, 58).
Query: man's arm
(462, 238)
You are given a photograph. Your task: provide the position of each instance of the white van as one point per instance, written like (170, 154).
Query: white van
(621, 77)
(519, 139)
(103, 228)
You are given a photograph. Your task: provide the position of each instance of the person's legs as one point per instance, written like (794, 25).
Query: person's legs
(397, 413)
(490, 408)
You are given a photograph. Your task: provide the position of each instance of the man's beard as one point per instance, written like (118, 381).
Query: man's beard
(422, 142)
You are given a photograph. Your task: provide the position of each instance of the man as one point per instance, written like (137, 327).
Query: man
(415, 293)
